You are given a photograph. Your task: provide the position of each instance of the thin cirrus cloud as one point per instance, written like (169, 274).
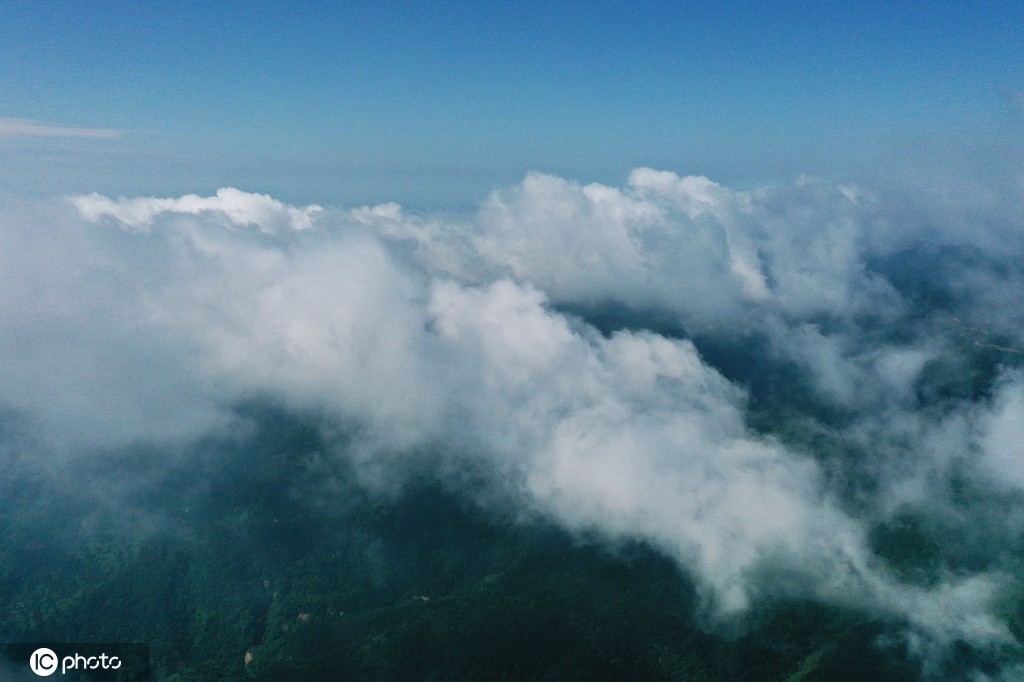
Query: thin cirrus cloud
(23, 127)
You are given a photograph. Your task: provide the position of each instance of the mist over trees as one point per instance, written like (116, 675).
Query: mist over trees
(668, 430)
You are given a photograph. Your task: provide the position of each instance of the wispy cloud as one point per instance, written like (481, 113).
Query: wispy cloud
(10, 127)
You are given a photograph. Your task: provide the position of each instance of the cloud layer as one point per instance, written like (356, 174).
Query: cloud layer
(860, 381)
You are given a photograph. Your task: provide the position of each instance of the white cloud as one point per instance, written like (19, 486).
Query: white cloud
(635, 436)
(441, 335)
(710, 255)
(18, 127)
(240, 208)
(1002, 434)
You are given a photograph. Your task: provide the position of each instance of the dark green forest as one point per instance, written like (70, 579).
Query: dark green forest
(260, 557)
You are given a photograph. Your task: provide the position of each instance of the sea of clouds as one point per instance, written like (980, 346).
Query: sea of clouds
(475, 340)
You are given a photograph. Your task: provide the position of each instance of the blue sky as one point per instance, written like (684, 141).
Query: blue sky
(435, 103)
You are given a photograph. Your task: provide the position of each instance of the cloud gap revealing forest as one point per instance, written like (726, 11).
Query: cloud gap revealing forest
(664, 431)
